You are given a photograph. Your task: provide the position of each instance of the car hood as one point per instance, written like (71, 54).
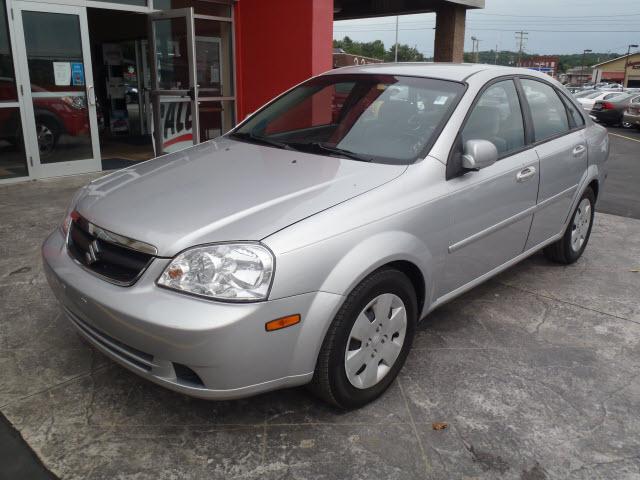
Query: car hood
(223, 190)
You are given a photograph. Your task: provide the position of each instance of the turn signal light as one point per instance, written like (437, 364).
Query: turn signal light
(281, 323)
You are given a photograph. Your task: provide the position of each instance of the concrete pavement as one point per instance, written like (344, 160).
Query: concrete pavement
(535, 373)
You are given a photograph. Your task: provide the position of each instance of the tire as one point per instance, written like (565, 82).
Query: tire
(570, 247)
(48, 133)
(331, 381)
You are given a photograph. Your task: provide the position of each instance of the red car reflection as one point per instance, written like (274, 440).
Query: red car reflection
(54, 117)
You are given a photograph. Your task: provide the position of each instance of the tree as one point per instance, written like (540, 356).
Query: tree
(405, 54)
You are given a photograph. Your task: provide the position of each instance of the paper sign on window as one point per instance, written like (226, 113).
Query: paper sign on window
(62, 73)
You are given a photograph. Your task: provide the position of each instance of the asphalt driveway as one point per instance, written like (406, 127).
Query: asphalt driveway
(536, 374)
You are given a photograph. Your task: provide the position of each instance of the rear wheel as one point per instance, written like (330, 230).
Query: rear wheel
(368, 341)
(574, 241)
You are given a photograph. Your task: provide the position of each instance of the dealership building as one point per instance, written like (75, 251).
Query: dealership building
(614, 70)
(91, 85)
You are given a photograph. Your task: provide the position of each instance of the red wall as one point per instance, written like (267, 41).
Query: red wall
(279, 43)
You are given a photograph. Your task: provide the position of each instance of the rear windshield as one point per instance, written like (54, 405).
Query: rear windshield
(379, 118)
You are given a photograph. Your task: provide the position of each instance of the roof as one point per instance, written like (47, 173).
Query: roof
(446, 71)
(616, 59)
(352, 9)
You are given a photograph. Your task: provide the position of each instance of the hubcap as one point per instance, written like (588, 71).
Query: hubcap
(581, 224)
(375, 341)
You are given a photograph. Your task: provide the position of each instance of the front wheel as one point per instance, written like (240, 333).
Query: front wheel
(572, 244)
(368, 340)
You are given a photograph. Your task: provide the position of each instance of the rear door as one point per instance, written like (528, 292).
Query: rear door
(491, 209)
(561, 145)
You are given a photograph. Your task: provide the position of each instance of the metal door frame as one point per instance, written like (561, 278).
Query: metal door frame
(37, 168)
(178, 95)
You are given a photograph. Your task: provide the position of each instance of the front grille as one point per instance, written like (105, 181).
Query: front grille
(105, 253)
(129, 354)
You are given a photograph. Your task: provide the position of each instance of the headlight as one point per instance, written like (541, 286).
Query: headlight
(227, 271)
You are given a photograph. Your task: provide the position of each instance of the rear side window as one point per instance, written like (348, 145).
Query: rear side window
(575, 118)
(497, 117)
(547, 110)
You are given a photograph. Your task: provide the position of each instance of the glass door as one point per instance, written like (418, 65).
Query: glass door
(61, 130)
(173, 80)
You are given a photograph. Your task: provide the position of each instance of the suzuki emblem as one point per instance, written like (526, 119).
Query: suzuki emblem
(91, 256)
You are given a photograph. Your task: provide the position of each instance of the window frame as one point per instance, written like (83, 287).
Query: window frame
(566, 111)
(559, 93)
(453, 171)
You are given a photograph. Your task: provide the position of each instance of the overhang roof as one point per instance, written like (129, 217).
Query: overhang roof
(352, 9)
(616, 59)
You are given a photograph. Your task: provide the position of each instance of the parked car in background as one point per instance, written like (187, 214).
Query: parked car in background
(584, 93)
(611, 112)
(588, 101)
(609, 86)
(631, 117)
(304, 246)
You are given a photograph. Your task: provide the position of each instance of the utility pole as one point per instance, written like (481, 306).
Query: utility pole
(521, 37)
(584, 53)
(626, 66)
(496, 59)
(397, 25)
(475, 49)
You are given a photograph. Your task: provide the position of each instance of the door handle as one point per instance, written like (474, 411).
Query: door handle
(91, 94)
(579, 150)
(525, 174)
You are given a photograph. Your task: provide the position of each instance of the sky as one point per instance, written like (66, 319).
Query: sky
(554, 26)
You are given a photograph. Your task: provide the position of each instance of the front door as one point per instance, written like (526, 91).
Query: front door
(61, 129)
(173, 80)
(491, 210)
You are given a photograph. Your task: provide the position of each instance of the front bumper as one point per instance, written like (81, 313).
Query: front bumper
(167, 337)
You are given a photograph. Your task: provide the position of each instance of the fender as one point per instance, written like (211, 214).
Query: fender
(365, 257)
(592, 173)
(374, 252)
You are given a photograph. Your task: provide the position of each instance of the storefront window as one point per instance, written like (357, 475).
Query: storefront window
(139, 3)
(201, 7)
(216, 118)
(12, 157)
(213, 58)
(58, 90)
(7, 78)
(171, 54)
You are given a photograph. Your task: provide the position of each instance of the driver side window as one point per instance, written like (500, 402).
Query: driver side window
(497, 117)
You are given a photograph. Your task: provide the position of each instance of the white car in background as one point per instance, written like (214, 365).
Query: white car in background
(588, 101)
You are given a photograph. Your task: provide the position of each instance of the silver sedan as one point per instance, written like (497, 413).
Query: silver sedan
(304, 246)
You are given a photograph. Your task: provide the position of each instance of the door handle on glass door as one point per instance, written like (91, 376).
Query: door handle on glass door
(91, 94)
(525, 174)
(579, 150)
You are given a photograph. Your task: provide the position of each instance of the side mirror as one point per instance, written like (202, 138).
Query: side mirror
(479, 154)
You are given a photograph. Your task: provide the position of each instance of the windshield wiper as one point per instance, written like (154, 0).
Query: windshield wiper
(321, 147)
(262, 140)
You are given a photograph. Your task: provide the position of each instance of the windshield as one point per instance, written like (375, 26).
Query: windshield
(380, 118)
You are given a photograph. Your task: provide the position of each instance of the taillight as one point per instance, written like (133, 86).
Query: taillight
(608, 106)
